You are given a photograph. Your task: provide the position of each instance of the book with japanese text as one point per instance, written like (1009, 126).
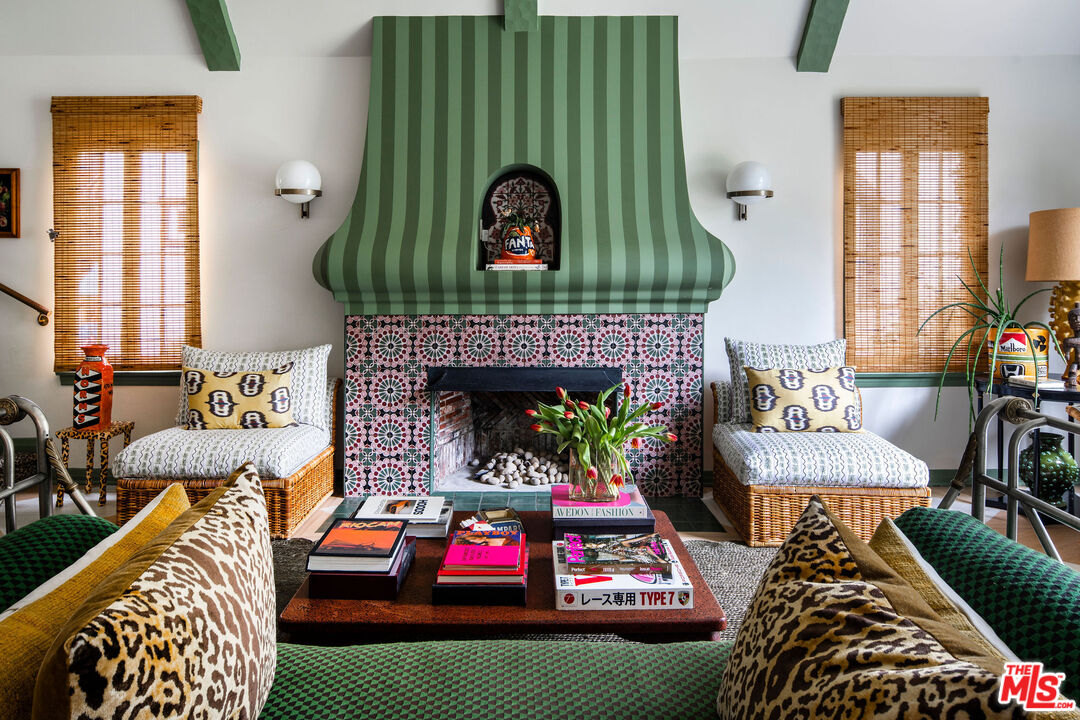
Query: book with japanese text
(646, 591)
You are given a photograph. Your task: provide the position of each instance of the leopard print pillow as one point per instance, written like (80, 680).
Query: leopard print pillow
(186, 629)
(822, 638)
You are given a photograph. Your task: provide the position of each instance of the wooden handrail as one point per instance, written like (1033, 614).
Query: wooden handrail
(43, 312)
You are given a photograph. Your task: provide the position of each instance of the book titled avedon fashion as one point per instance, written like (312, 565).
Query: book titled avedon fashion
(629, 505)
(357, 545)
(401, 507)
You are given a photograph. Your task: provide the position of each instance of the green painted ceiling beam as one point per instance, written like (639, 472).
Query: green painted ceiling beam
(215, 31)
(520, 15)
(822, 29)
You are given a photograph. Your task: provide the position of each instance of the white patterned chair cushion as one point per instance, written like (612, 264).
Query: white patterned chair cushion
(309, 400)
(817, 459)
(765, 356)
(176, 452)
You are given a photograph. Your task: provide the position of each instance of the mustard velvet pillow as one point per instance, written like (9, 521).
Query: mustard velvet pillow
(799, 400)
(239, 400)
(27, 628)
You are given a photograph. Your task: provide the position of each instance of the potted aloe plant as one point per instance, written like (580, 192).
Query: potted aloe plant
(597, 438)
(994, 318)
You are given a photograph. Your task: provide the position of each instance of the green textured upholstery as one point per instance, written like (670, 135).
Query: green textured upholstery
(1031, 601)
(497, 680)
(33, 554)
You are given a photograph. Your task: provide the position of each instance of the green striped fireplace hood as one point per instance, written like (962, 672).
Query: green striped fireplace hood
(593, 102)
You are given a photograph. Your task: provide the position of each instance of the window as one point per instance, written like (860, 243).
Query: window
(125, 201)
(915, 205)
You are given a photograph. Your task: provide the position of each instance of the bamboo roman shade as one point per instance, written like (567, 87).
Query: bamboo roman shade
(915, 204)
(125, 200)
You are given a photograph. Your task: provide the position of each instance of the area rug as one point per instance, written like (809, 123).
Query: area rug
(731, 570)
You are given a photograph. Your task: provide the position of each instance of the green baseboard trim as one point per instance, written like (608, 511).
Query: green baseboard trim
(133, 377)
(896, 380)
(943, 477)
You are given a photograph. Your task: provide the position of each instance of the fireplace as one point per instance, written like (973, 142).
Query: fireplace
(411, 382)
(630, 270)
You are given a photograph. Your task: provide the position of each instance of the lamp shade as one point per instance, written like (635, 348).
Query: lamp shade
(749, 183)
(1054, 245)
(298, 181)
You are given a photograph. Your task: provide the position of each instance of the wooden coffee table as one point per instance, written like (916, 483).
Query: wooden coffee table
(413, 617)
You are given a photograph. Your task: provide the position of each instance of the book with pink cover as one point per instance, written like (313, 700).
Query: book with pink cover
(484, 550)
(629, 505)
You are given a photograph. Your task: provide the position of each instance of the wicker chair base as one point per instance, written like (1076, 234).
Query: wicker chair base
(289, 500)
(763, 515)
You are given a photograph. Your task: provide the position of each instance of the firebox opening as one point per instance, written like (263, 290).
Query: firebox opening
(482, 435)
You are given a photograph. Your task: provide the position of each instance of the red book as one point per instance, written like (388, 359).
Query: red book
(484, 550)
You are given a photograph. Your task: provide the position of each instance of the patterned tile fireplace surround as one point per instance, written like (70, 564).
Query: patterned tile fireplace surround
(389, 429)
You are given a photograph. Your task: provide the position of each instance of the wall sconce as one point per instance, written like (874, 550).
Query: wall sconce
(298, 181)
(747, 184)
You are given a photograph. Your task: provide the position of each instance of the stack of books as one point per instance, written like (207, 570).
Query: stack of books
(483, 567)
(427, 516)
(630, 514)
(366, 559)
(625, 580)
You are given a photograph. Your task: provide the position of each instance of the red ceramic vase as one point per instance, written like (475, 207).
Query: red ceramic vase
(93, 389)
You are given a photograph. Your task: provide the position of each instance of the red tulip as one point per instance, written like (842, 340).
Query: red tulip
(607, 412)
(657, 405)
(626, 390)
(591, 473)
(537, 428)
(617, 480)
(583, 405)
(635, 443)
(671, 437)
(530, 412)
(561, 393)
(568, 415)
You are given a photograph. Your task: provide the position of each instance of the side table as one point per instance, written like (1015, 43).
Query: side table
(101, 434)
(1066, 396)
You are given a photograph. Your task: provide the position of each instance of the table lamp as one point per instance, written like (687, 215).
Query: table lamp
(1054, 254)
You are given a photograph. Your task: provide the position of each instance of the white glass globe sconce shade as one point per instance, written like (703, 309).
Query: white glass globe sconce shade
(747, 184)
(298, 181)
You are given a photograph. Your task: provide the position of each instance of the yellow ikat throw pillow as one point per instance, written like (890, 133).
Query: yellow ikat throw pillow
(239, 400)
(799, 400)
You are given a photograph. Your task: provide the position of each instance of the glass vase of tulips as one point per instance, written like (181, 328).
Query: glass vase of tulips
(596, 437)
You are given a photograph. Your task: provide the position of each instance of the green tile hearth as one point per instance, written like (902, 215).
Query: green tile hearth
(686, 514)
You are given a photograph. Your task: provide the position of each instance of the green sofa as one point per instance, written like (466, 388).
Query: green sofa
(1031, 601)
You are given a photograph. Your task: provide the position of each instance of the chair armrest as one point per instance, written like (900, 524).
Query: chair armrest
(721, 390)
(333, 398)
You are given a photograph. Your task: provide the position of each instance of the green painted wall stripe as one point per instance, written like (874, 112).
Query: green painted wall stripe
(592, 101)
(820, 34)
(215, 32)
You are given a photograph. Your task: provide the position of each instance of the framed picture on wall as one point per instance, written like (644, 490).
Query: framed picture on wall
(9, 202)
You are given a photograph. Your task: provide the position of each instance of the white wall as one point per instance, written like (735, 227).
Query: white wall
(258, 292)
(256, 252)
(788, 281)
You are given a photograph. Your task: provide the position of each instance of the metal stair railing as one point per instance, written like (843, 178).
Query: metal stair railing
(49, 468)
